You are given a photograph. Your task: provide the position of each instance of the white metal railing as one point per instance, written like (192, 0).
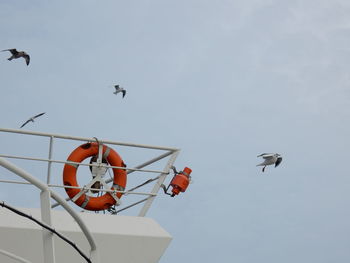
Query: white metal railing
(46, 187)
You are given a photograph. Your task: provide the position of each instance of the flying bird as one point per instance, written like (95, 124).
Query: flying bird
(119, 89)
(270, 159)
(32, 119)
(18, 54)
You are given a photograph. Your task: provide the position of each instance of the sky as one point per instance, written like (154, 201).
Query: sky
(224, 81)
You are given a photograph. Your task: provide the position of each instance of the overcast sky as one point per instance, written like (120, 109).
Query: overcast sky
(222, 80)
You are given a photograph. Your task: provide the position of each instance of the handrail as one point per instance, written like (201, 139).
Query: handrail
(82, 164)
(80, 188)
(48, 193)
(88, 139)
(43, 187)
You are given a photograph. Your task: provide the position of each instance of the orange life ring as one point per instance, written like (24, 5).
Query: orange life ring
(70, 176)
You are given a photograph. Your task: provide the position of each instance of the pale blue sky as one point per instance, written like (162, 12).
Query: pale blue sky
(222, 80)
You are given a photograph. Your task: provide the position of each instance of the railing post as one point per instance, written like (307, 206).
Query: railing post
(158, 184)
(48, 242)
(48, 179)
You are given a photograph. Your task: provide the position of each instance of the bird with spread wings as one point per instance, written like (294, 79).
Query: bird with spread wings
(119, 89)
(18, 54)
(31, 119)
(270, 159)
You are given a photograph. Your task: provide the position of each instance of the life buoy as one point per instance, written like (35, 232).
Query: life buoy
(70, 176)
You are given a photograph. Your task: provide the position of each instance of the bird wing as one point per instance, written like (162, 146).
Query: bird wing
(36, 116)
(25, 123)
(116, 87)
(12, 50)
(279, 160)
(124, 92)
(27, 58)
(266, 155)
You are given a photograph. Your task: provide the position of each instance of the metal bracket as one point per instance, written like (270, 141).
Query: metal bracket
(113, 194)
(78, 195)
(115, 197)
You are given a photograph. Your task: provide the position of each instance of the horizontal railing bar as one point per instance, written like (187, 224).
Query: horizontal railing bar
(67, 137)
(145, 164)
(81, 188)
(127, 207)
(103, 190)
(83, 164)
(14, 182)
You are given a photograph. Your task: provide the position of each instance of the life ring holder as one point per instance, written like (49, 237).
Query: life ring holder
(79, 196)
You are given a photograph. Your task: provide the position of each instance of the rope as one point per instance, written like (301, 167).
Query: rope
(46, 227)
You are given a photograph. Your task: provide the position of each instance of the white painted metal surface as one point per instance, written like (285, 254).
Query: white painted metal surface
(129, 239)
(6, 256)
(46, 211)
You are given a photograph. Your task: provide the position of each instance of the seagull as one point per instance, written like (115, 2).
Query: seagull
(18, 54)
(32, 119)
(119, 89)
(270, 159)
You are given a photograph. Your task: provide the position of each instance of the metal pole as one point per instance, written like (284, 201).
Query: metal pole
(145, 164)
(80, 222)
(87, 139)
(136, 203)
(48, 242)
(80, 164)
(158, 184)
(45, 206)
(20, 172)
(49, 162)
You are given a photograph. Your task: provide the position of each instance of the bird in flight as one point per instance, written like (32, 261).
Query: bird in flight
(18, 54)
(119, 89)
(32, 119)
(270, 159)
